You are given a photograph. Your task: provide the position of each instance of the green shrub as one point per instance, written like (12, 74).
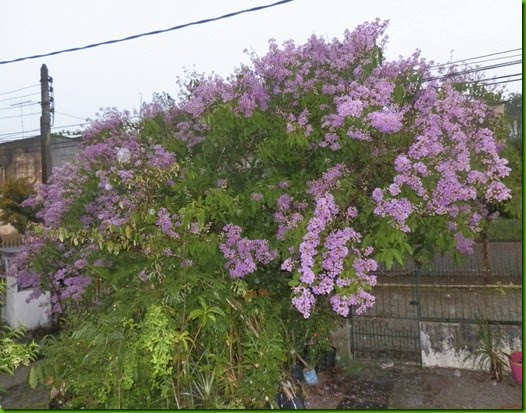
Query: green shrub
(13, 352)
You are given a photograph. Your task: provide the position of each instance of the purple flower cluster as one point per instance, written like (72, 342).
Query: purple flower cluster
(288, 216)
(324, 213)
(342, 304)
(26, 276)
(299, 123)
(327, 181)
(316, 67)
(243, 254)
(386, 121)
(57, 196)
(66, 281)
(347, 106)
(161, 158)
(221, 183)
(336, 251)
(398, 209)
(167, 222)
(439, 166)
(337, 247)
(359, 134)
(464, 245)
(109, 120)
(151, 110)
(303, 300)
(288, 265)
(363, 267)
(331, 140)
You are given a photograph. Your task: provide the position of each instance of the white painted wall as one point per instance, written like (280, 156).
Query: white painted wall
(17, 311)
(446, 356)
(447, 344)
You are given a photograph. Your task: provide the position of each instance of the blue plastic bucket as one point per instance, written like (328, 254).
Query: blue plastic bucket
(310, 376)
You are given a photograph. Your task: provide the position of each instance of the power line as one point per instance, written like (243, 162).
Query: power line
(476, 57)
(474, 70)
(20, 116)
(136, 36)
(38, 130)
(71, 116)
(482, 68)
(491, 60)
(14, 106)
(18, 97)
(18, 90)
(69, 126)
(504, 81)
(482, 82)
(36, 148)
(492, 79)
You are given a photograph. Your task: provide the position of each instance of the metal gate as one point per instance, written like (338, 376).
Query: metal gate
(390, 330)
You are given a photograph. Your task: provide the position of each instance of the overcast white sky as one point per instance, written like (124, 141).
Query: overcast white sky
(120, 75)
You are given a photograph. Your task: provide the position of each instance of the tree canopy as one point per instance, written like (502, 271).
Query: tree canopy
(294, 178)
(13, 192)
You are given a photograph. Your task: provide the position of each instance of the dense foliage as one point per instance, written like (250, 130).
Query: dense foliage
(13, 192)
(219, 233)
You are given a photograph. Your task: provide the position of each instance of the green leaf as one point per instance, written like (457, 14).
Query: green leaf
(407, 248)
(196, 313)
(388, 258)
(62, 234)
(398, 257)
(33, 378)
(294, 282)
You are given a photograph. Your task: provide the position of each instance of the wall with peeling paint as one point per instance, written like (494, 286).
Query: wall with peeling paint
(452, 344)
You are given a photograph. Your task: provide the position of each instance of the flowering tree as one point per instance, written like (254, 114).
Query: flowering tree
(297, 176)
(351, 160)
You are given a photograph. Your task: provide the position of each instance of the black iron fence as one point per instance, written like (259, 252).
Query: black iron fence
(503, 260)
(497, 303)
(382, 339)
(440, 293)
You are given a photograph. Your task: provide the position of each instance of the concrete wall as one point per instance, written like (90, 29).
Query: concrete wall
(446, 345)
(22, 158)
(441, 331)
(16, 309)
(452, 344)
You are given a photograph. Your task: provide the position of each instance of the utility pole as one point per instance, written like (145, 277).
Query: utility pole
(45, 123)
